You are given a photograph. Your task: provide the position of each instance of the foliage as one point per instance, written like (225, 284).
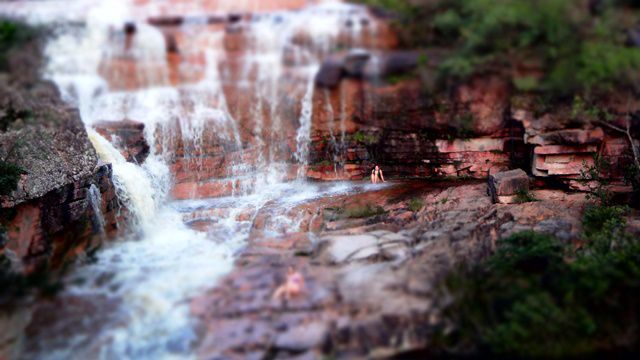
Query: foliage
(9, 177)
(415, 204)
(524, 196)
(364, 138)
(592, 178)
(535, 297)
(580, 48)
(398, 78)
(11, 34)
(9, 115)
(324, 162)
(539, 297)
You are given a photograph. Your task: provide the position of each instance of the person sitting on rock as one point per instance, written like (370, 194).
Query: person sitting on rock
(376, 175)
(292, 287)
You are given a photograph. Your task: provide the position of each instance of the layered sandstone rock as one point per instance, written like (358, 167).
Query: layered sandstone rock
(563, 152)
(64, 202)
(361, 122)
(51, 230)
(372, 281)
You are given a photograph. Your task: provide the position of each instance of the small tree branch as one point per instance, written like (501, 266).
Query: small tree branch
(611, 126)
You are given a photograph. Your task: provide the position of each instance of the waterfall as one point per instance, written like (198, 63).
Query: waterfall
(95, 201)
(225, 118)
(303, 133)
(133, 186)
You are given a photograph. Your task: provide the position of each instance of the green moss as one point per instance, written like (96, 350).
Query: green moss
(464, 126)
(363, 211)
(398, 78)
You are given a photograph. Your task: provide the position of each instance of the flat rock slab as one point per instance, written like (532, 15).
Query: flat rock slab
(349, 247)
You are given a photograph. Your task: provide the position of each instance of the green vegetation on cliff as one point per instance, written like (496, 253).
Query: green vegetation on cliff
(11, 35)
(538, 296)
(9, 177)
(578, 46)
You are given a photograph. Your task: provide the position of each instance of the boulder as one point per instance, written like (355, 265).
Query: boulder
(330, 73)
(398, 62)
(355, 61)
(503, 185)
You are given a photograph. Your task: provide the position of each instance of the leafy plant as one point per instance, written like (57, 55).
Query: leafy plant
(593, 179)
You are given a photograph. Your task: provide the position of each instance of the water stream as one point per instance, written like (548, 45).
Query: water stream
(244, 103)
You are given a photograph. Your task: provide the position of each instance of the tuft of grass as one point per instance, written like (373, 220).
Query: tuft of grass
(415, 204)
(524, 196)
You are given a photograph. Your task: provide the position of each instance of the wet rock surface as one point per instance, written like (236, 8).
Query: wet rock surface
(371, 279)
(50, 216)
(127, 136)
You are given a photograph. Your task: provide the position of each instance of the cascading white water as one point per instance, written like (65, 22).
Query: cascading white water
(95, 201)
(133, 186)
(145, 280)
(303, 133)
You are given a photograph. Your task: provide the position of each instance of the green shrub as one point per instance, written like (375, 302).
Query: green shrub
(524, 196)
(9, 177)
(580, 51)
(536, 297)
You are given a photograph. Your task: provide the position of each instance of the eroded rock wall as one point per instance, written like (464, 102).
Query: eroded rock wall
(64, 201)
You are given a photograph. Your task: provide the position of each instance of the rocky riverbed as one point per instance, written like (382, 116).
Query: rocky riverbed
(372, 277)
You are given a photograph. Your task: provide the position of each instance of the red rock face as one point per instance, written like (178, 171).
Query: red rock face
(50, 231)
(360, 123)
